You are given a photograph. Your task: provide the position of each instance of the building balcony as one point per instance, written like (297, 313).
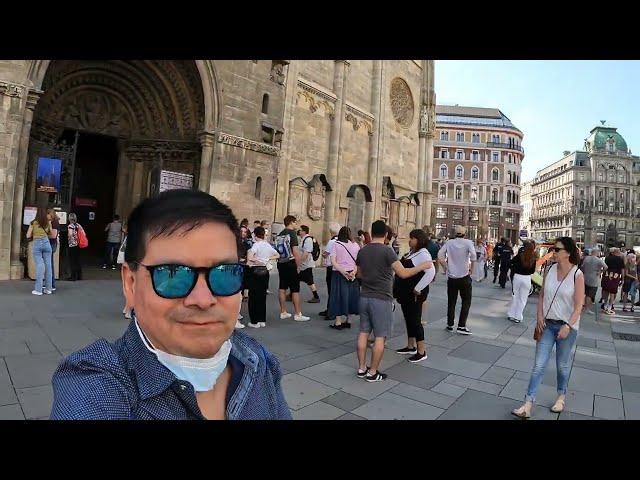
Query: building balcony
(508, 146)
(497, 203)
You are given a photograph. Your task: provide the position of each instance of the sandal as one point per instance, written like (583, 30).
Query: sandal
(522, 412)
(558, 406)
(336, 327)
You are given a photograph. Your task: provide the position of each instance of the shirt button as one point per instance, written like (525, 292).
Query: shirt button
(183, 387)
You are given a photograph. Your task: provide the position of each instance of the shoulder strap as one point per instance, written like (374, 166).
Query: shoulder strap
(557, 289)
(345, 247)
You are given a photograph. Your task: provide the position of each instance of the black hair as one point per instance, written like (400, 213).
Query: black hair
(360, 232)
(256, 221)
(259, 232)
(421, 237)
(116, 217)
(378, 229)
(305, 229)
(244, 222)
(570, 246)
(344, 235)
(169, 212)
(288, 220)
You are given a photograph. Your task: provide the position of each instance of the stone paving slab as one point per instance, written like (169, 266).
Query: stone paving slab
(631, 403)
(344, 401)
(318, 411)
(350, 416)
(474, 384)
(36, 401)
(424, 396)
(449, 389)
(11, 412)
(414, 375)
(630, 384)
(390, 406)
(629, 369)
(600, 383)
(32, 370)
(475, 405)
(498, 375)
(596, 367)
(608, 408)
(301, 391)
(478, 352)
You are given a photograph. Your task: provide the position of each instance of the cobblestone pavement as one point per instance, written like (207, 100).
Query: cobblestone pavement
(482, 376)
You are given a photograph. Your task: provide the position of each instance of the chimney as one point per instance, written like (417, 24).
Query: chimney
(565, 153)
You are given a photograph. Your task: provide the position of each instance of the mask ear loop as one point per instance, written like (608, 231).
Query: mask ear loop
(147, 343)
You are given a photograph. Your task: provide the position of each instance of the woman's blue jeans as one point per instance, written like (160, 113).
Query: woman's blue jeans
(543, 354)
(42, 258)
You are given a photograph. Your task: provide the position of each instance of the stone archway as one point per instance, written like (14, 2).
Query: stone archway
(155, 109)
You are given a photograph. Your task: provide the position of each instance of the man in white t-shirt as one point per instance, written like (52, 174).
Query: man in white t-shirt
(334, 228)
(307, 263)
(457, 257)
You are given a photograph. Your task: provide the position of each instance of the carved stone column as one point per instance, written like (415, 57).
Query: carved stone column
(16, 269)
(335, 138)
(208, 143)
(429, 137)
(372, 209)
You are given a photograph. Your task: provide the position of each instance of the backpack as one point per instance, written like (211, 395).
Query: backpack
(316, 249)
(283, 247)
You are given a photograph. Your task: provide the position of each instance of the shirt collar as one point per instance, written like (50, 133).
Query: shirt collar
(153, 378)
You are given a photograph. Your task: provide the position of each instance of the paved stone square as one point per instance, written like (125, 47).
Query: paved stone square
(482, 376)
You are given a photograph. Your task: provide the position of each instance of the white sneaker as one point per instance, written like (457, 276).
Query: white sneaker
(262, 324)
(238, 324)
(254, 325)
(47, 292)
(35, 292)
(53, 289)
(301, 318)
(285, 315)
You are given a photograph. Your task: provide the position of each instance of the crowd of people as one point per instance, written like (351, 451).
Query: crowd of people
(187, 324)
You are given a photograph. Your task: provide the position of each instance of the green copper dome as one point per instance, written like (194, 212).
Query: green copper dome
(601, 136)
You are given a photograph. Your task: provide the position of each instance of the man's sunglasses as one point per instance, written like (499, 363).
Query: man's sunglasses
(177, 281)
(557, 249)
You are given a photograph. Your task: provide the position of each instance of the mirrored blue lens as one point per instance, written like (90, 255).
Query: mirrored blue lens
(226, 280)
(173, 281)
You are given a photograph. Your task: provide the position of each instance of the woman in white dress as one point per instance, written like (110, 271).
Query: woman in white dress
(481, 258)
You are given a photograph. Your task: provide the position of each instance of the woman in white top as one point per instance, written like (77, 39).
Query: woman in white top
(412, 292)
(481, 258)
(258, 258)
(558, 317)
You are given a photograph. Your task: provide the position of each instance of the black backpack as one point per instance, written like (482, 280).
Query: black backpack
(316, 249)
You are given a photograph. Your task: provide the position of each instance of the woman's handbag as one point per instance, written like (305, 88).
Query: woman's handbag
(83, 241)
(120, 259)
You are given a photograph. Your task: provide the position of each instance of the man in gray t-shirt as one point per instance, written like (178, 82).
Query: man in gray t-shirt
(376, 264)
(592, 267)
(114, 237)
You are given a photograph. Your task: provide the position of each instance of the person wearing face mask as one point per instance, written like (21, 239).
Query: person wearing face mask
(180, 358)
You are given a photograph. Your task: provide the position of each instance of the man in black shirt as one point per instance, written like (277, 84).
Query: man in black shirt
(505, 260)
(497, 252)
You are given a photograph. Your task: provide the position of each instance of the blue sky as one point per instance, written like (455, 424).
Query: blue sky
(554, 103)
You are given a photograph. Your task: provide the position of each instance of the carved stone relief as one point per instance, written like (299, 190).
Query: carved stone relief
(402, 106)
(317, 194)
(298, 189)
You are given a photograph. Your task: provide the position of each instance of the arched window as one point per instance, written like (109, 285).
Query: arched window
(444, 171)
(265, 103)
(443, 192)
(458, 192)
(495, 175)
(459, 171)
(459, 155)
(475, 173)
(258, 190)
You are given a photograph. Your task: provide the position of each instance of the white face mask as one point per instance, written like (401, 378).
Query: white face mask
(202, 373)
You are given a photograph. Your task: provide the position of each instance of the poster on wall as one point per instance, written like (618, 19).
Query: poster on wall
(174, 181)
(48, 175)
(29, 215)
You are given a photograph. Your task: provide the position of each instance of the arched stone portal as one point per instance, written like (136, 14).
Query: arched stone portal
(139, 116)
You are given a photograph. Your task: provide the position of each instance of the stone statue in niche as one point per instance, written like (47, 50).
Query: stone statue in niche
(297, 196)
(317, 195)
(424, 119)
(277, 71)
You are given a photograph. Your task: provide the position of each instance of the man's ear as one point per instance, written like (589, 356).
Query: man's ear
(128, 283)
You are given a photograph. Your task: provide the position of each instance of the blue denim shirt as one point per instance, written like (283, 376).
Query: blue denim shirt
(124, 380)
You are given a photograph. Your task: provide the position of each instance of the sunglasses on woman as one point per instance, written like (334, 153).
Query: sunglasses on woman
(557, 249)
(177, 281)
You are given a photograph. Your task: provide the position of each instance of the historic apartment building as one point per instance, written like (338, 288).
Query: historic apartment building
(591, 195)
(326, 140)
(476, 173)
(525, 201)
